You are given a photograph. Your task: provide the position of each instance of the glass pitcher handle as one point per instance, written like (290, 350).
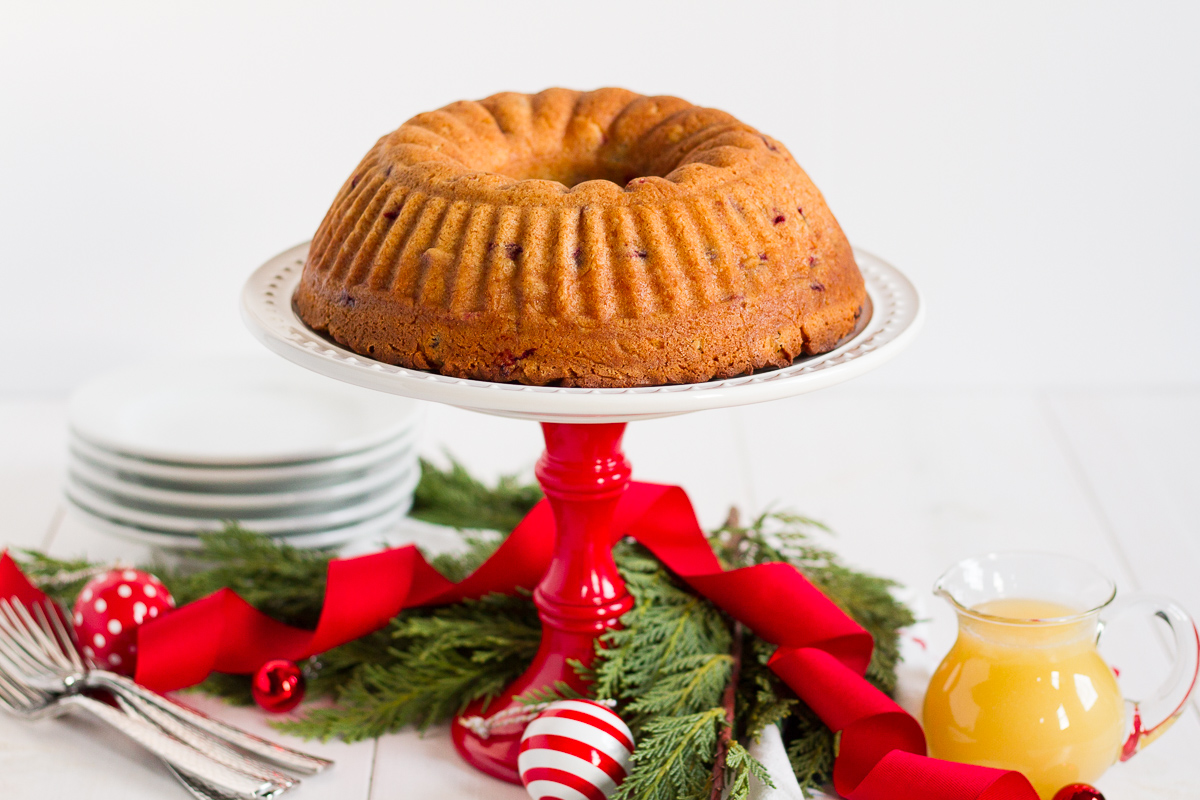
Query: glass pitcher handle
(1149, 718)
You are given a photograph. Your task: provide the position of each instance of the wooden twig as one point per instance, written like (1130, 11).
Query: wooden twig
(728, 701)
(734, 518)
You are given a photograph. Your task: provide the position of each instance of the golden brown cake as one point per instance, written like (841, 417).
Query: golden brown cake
(580, 239)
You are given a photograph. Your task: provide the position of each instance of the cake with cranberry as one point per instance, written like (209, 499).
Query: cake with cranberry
(591, 239)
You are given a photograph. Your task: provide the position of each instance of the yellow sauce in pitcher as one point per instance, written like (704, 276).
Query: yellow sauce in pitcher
(1026, 694)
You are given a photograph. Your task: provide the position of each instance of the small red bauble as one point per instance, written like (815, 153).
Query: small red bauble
(278, 686)
(108, 611)
(574, 748)
(1078, 791)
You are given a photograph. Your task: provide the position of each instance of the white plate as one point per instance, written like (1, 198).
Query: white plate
(376, 526)
(888, 325)
(181, 525)
(245, 411)
(308, 473)
(226, 505)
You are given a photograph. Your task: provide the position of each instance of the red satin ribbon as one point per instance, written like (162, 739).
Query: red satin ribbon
(822, 653)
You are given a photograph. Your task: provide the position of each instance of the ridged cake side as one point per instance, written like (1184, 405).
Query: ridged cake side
(584, 239)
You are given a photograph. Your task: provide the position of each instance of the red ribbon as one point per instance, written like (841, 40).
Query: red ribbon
(822, 654)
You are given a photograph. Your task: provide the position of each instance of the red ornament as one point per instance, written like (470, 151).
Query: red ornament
(574, 748)
(108, 612)
(1078, 791)
(278, 686)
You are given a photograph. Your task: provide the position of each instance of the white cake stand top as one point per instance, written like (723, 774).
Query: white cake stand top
(887, 325)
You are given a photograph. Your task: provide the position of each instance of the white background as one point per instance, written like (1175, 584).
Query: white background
(1033, 166)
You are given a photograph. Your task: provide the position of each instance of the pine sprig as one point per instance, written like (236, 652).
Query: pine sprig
(61, 579)
(810, 748)
(437, 662)
(781, 536)
(284, 582)
(740, 766)
(456, 566)
(667, 624)
(669, 665)
(455, 498)
(673, 756)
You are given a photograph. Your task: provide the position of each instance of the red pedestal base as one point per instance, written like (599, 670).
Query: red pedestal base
(583, 473)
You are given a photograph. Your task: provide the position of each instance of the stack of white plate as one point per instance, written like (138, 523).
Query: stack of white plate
(162, 453)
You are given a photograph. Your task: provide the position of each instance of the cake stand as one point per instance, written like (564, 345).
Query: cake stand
(583, 471)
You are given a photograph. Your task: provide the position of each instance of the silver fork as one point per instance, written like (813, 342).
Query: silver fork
(30, 703)
(54, 668)
(196, 788)
(53, 663)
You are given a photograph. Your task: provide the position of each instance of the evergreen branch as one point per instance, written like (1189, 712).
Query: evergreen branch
(810, 749)
(669, 630)
(670, 760)
(456, 499)
(61, 579)
(438, 661)
(284, 582)
(561, 690)
(457, 566)
(741, 766)
(786, 537)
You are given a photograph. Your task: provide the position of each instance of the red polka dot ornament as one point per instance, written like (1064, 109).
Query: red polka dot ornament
(108, 611)
(574, 749)
(278, 686)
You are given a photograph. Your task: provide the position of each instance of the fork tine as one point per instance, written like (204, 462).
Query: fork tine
(8, 695)
(28, 637)
(19, 636)
(18, 653)
(32, 628)
(14, 626)
(66, 640)
(40, 639)
(11, 668)
(17, 695)
(17, 658)
(44, 612)
(10, 616)
(7, 616)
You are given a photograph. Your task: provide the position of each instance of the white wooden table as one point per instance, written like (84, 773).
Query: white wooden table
(912, 480)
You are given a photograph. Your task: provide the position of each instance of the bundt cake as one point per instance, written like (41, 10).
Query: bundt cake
(580, 239)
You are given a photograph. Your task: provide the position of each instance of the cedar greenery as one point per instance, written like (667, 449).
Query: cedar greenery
(668, 665)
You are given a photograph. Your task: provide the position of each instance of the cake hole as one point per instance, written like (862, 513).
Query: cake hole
(615, 160)
(571, 174)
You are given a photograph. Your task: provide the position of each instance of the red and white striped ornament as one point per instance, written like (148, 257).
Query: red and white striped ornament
(574, 750)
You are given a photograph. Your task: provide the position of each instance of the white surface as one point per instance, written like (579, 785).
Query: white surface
(888, 324)
(912, 480)
(1030, 165)
(222, 412)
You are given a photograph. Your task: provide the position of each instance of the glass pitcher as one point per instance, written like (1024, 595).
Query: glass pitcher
(1025, 687)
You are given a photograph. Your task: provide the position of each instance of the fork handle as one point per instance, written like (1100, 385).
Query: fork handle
(293, 760)
(198, 740)
(175, 752)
